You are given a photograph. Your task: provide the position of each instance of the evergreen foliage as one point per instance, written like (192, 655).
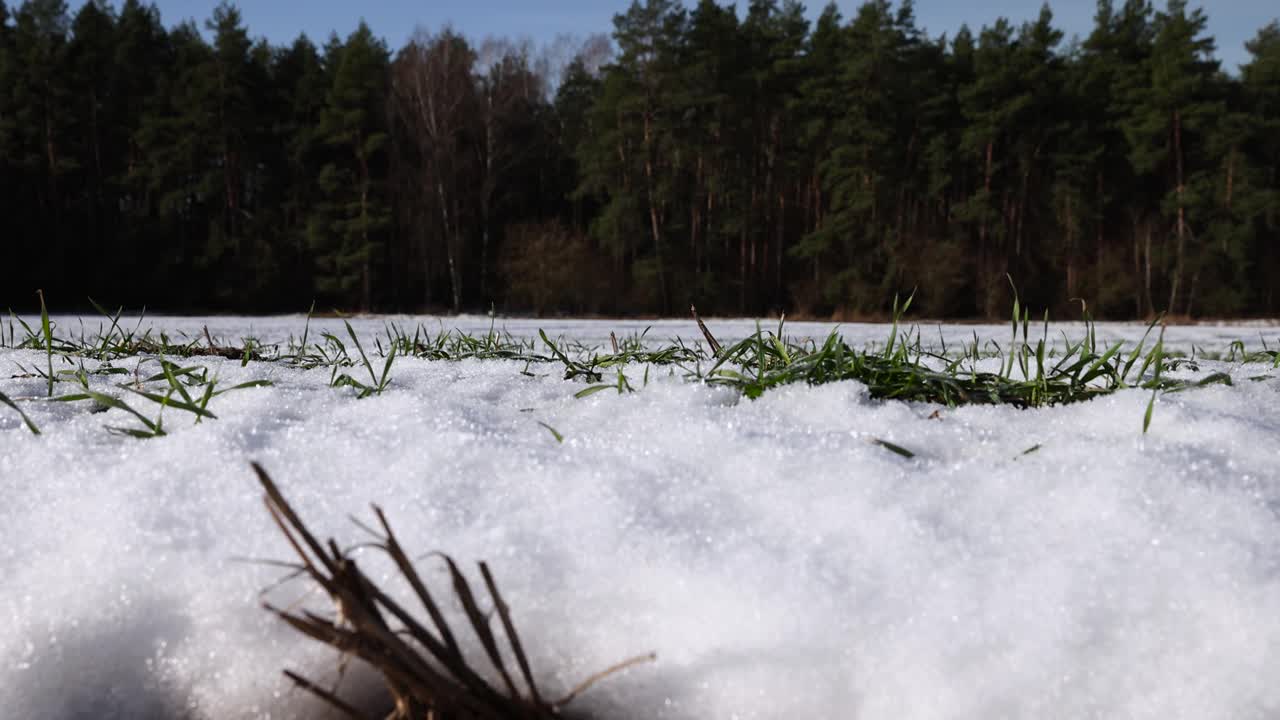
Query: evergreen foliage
(743, 159)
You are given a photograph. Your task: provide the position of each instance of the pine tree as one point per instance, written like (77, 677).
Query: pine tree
(90, 55)
(175, 151)
(928, 257)
(855, 173)
(1260, 78)
(348, 230)
(606, 174)
(577, 93)
(1037, 120)
(647, 36)
(702, 98)
(39, 91)
(300, 81)
(8, 139)
(949, 279)
(231, 93)
(95, 147)
(40, 127)
(140, 72)
(818, 105)
(1166, 133)
(987, 109)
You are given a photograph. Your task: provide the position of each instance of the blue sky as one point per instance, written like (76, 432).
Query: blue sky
(1232, 22)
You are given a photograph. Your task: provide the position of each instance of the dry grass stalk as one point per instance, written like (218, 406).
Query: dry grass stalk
(423, 667)
(711, 340)
(216, 350)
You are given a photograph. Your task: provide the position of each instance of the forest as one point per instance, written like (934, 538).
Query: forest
(747, 160)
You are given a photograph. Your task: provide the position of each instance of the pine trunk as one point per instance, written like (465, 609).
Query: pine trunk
(1182, 212)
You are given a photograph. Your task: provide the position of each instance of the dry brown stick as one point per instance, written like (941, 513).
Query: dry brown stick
(586, 684)
(308, 567)
(354, 599)
(277, 500)
(450, 659)
(711, 340)
(393, 548)
(325, 695)
(454, 664)
(317, 629)
(365, 643)
(514, 638)
(480, 623)
(363, 599)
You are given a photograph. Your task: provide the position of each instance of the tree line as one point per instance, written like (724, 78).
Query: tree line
(749, 161)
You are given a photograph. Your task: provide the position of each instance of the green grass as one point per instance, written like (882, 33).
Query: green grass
(554, 433)
(75, 358)
(1031, 370)
(377, 383)
(4, 400)
(187, 389)
(1030, 374)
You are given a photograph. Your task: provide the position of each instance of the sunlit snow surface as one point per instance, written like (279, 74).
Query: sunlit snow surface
(779, 563)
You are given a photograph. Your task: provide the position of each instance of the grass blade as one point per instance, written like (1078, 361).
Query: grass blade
(47, 330)
(896, 449)
(4, 399)
(554, 433)
(1146, 417)
(587, 392)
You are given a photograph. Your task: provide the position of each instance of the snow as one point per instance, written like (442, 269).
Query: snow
(778, 562)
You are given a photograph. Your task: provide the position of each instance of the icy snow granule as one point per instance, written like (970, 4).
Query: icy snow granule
(779, 563)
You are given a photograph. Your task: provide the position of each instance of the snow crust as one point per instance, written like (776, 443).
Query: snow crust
(779, 563)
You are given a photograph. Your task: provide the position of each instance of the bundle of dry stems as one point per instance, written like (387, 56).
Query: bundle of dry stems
(422, 663)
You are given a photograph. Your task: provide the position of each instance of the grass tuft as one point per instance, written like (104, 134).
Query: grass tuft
(426, 671)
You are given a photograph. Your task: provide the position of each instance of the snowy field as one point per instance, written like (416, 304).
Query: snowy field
(779, 563)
